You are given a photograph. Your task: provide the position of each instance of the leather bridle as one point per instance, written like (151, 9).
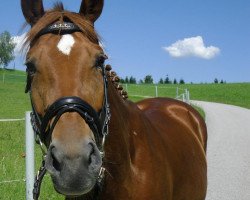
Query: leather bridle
(44, 125)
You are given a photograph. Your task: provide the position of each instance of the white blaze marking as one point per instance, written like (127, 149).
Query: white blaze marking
(66, 43)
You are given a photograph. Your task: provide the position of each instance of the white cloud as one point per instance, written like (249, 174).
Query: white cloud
(19, 41)
(192, 47)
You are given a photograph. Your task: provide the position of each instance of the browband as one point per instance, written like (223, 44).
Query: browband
(60, 28)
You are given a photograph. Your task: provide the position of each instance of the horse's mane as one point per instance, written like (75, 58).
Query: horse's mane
(58, 13)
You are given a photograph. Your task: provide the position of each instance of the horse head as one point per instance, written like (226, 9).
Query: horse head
(66, 80)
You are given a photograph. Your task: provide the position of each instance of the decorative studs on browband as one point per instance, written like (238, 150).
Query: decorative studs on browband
(116, 81)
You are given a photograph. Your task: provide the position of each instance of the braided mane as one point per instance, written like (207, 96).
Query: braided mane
(116, 82)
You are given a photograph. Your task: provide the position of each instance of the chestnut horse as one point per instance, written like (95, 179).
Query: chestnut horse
(99, 144)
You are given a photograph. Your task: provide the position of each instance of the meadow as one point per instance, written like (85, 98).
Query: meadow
(14, 102)
(230, 93)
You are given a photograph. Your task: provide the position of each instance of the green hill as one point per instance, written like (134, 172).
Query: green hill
(13, 101)
(231, 93)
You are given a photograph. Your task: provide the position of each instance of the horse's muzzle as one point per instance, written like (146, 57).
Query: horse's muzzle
(73, 172)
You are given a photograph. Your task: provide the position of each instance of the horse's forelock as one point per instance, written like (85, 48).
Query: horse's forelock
(58, 6)
(58, 14)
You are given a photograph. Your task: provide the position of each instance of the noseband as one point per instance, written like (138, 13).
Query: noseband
(44, 126)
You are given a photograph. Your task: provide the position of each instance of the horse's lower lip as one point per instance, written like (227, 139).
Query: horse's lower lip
(73, 194)
(73, 190)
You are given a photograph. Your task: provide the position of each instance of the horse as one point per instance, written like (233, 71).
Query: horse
(99, 144)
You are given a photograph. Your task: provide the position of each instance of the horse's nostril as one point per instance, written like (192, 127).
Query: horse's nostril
(55, 163)
(91, 155)
(94, 159)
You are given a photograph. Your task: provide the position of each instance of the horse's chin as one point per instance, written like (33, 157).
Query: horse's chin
(74, 190)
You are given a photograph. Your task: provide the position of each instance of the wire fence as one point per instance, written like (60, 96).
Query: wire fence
(12, 78)
(16, 180)
(12, 181)
(12, 120)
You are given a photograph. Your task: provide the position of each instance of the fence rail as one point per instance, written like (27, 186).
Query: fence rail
(11, 120)
(12, 181)
(149, 91)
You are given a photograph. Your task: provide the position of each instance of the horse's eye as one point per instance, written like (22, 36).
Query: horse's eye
(100, 60)
(31, 68)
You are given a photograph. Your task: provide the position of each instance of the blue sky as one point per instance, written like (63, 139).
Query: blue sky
(161, 37)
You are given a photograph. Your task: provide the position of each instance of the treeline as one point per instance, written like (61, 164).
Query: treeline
(216, 81)
(149, 80)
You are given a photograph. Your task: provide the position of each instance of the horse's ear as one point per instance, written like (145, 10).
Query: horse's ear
(32, 10)
(91, 9)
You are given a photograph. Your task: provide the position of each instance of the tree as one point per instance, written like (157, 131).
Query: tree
(132, 80)
(126, 80)
(148, 79)
(6, 49)
(182, 81)
(216, 80)
(167, 80)
(141, 81)
(161, 81)
(122, 80)
(221, 81)
(175, 81)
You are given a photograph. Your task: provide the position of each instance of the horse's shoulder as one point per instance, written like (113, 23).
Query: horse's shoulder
(174, 112)
(168, 106)
(162, 104)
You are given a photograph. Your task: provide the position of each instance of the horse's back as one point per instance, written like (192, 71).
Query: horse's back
(182, 132)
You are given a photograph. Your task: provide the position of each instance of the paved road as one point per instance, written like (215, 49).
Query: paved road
(228, 151)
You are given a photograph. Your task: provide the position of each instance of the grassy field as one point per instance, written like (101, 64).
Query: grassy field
(14, 102)
(231, 93)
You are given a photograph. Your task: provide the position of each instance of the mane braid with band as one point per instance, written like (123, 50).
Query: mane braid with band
(116, 82)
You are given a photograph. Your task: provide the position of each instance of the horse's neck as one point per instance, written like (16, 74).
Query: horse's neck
(118, 142)
(118, 137)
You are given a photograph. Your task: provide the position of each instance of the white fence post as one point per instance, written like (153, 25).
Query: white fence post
(30, 157)
(156, 91)
(177, 92)
(126, 87)
(188, 97)
(3, 77)
(183, 97)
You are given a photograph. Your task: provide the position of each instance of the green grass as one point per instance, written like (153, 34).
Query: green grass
(235, 93)
(200, 110)
(12, 163)
(231, 93)
(14, 102)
